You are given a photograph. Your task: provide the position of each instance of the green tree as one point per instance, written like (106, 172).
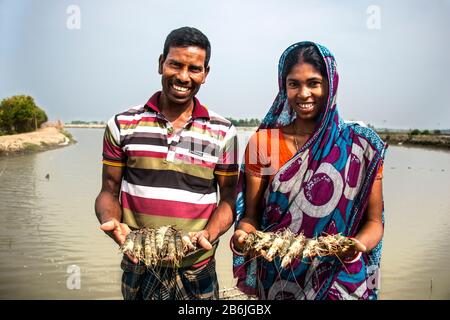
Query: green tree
(20, 114)
(253, 122)
(6, 117)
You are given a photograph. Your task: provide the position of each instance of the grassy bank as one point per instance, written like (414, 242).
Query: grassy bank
(406, 138)
(40, 140)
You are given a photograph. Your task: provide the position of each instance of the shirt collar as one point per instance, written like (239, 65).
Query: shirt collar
(199, 111)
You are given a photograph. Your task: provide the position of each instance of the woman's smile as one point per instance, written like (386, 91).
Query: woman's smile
(306, 106)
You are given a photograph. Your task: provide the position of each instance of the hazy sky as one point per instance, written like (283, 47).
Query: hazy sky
(394, 71)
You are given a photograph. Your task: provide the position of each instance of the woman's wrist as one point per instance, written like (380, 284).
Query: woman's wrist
(233, 248)
(243, 228)
(355, 258)
(247, 225)
(359, 249)
(359, 244)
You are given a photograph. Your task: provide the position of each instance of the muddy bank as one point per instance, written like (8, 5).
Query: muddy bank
(41, 140)
(429, 140)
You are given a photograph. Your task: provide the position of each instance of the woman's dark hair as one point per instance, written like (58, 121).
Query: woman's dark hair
(308, 53)
(185, 37)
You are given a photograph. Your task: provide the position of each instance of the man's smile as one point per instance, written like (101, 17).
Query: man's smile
(180, 88)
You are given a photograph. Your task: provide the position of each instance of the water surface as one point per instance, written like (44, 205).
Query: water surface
(50, 224)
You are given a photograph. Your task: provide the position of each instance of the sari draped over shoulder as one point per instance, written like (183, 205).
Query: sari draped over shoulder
(323, 189)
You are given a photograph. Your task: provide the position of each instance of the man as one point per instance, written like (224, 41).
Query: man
(162, 162)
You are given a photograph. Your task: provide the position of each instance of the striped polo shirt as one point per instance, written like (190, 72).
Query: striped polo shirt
(169, 177)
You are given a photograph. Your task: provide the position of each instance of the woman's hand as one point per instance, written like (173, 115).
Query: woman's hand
(353, 251)
(239, 239)
(245, 226)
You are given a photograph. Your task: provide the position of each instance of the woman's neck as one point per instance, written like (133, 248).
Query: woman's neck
(302, 127)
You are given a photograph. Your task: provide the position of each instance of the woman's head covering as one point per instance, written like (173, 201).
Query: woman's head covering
(324, 188)
(281, 114)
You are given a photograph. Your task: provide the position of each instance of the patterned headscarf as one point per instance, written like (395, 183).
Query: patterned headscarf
(323, 189)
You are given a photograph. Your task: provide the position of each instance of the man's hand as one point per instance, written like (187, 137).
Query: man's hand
(201, 238)
(107, 206)
(118, 232)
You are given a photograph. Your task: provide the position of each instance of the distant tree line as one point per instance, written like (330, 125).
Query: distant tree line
(417, 132)
(20, 114)
(245, 122)
(413, 132)
(86, 122)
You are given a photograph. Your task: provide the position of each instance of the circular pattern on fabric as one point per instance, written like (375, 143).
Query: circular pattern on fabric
(288, 174)
(353, 174)
(319, 189)
(354, 168)
(335, 154)
(321, 193)
(291, 185)
(283, 290)
(296, 218)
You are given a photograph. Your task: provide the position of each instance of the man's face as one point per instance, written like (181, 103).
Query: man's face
(183, 72)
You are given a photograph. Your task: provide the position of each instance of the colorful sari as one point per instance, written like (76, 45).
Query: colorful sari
(323, 189)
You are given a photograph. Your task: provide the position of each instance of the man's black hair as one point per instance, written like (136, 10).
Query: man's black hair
(186, 37)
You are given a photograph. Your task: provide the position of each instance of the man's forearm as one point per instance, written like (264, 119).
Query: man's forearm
(107, 207)
(221, 220)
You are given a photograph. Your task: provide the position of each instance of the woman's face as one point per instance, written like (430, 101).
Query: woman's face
(307, 91)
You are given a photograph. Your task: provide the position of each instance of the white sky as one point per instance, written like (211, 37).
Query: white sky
(395, 76)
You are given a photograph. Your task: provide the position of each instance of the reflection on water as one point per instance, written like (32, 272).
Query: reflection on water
(49, 225)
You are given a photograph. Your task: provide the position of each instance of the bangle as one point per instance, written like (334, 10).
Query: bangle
(354, 259)
(357, 241)
(233, 249)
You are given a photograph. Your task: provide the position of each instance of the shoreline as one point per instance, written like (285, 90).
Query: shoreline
(419, 140)
(102, 126)
(31, 142)
(392, 138)
(89, 126)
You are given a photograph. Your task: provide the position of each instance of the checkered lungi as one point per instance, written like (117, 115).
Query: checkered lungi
(163, 283)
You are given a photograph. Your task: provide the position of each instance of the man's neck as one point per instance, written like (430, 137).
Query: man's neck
(175, 111)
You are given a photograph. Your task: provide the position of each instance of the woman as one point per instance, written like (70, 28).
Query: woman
(307, 170)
